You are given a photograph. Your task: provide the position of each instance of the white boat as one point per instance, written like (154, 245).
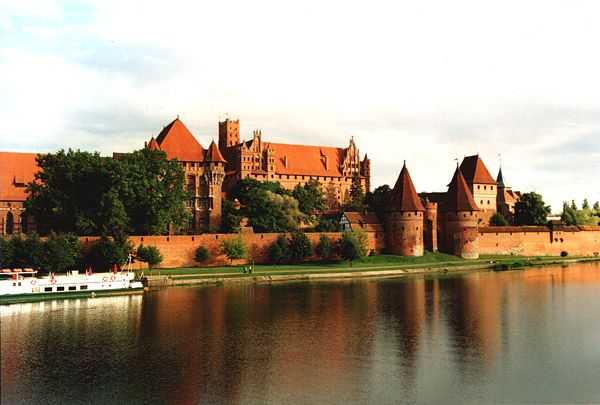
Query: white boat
(24, 286)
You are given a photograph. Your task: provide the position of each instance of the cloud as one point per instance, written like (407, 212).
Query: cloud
(423, 81)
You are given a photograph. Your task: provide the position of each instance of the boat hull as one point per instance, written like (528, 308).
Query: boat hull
(21, 298)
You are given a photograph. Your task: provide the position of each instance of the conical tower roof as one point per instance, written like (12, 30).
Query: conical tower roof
(153, 145)
(178, 142)
(404, 197)
(500, 179)
(474, 171)
(459, 197)
(213, 154)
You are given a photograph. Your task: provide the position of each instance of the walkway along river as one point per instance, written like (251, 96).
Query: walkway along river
(525, 336)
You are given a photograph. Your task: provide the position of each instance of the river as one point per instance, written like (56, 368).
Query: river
(530, 336)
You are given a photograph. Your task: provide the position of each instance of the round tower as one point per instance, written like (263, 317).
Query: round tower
(404, 218)
(430, 234)
(461, 220)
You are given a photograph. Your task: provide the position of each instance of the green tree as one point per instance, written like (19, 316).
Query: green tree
(597, 206)
(573, 205)
(105, 253)
(62, 253)
(328, 223)
(353, 245)
(324, 248)
(6, 253)
(231, 217)
(279, 251)
(202, 254)
(498, 220)
(586, 204)
(531, 210)
(356, 198)
(377, 201)
(234, 248)
(311, 199)
(300, 247)
(569, 215)
(150, 255)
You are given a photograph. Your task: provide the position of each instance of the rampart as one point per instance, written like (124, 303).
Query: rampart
(179, 250)
(540, 241)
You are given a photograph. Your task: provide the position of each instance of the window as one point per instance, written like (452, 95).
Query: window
(83, 287)
(72, 288)
(61, 288)
(47, 289)
(485, 187)
(488, 202)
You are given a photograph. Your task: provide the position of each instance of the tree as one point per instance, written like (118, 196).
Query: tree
(202, 254)
(324, 248)
(498, 220)
(573, 205)
(356, 197)
(597, 206)
(353, 245)
(300, 247)
(231, 217)
(291, 217)
(6, 253)
(569, 215)
(150, 255)
(531, 210)
(377, 201)
(62, 253)
(586, 204)
(279, 251)
(311, 199)
(328, 223)
(105, 253)
(234, 248)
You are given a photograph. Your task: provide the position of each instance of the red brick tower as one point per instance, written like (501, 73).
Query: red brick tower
(430, 234)
(404, 219)
(460, 219)
(229, 134)
(214, 174)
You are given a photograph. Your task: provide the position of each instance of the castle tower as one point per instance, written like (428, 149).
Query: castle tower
(460, 219)
(365, 171)
(482, 186)
(214, 174)
(430, 226)
(404, 218)
(229, 134)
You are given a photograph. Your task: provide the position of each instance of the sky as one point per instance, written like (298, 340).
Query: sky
(423, 81)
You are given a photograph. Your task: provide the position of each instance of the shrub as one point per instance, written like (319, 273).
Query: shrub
(279, 250)
(105, 253)
(234, 248)
(201, 254)
(564, 254)
(498, 220)
(6, 253)
(150, 255)
(324, 248)
(299, 247)
(353, 245)
(62, 252)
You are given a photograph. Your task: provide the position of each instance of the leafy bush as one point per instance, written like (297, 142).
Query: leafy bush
(353, 245)
(279, 250)
(6, 253)
(105, 253)
(300, 247)
(234, 248)
(498, 220)
(62, 252)
(201, 254)
(150, 255)
(324, 248)
(328, 224)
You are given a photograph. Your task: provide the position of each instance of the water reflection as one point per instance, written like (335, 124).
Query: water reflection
(524, 336)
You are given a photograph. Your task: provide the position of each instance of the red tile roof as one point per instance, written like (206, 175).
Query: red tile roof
(475, 171)
(178, 142)
(366, 220)
(307, 160)
(16, 171)
(213, 154)
(460, 197)
(404, 197)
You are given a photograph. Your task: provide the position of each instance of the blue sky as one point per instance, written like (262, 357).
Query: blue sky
(423, 81)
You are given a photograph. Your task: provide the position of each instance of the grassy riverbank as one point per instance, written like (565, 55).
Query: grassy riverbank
(430, 262)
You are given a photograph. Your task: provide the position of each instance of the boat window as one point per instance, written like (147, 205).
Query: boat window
(47, 289)
(61, 288)
(83, 287)
(19, 284)
(72, 287)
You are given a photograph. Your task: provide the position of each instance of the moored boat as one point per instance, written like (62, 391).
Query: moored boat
(25, 286)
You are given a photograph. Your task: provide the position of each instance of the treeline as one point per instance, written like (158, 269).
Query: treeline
(586, 215)
(59, 253)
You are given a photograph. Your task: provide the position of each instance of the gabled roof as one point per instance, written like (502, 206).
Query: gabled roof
(500, 179)
(366, 220)
(404, 197)
(475, 172)
(16, 171)
(460, 197)
(153, 145)
(178, 142)
(307, 160)
(213, 154)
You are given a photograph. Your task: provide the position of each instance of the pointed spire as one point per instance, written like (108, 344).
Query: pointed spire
(213, 154)
(153, 145)
(404, 197)
(459, 196)
(500, 179)
(474, 170)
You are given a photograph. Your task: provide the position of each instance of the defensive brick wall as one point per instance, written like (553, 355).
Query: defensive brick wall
(540, 241)
(179, 250)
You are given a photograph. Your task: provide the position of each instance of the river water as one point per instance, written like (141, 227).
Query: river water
(528, 336)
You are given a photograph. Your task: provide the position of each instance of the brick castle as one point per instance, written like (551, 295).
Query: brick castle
(453, 221)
